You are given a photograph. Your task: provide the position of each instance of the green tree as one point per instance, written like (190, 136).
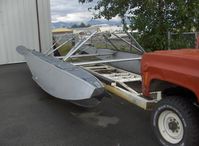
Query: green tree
(81, 25)
(152, 18)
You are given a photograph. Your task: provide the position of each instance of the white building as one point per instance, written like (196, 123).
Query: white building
(23, 22)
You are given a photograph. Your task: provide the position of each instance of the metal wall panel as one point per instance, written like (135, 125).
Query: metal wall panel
(45, 24)
(18, 26)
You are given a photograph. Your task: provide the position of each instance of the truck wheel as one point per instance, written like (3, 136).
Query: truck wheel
(175, 122)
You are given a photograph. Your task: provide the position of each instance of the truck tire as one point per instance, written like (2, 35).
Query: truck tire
(175, 122)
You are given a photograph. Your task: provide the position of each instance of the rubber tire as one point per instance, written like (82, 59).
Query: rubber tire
(187, 112)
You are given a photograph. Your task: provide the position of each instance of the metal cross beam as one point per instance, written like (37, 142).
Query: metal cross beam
(74, 49)
(106, 61)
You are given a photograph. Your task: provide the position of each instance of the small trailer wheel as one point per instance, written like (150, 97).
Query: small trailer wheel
(175, 122)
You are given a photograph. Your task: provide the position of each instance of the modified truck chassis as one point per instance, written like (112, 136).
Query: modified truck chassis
(165, 82)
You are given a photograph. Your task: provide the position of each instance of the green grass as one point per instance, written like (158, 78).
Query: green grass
(65, 49)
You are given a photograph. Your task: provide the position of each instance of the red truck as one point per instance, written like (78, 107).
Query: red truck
(176, 74)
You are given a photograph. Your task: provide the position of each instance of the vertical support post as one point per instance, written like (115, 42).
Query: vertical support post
(38, 25)
(106, 45)
(131, 48)
(197, 39)
(169, 40)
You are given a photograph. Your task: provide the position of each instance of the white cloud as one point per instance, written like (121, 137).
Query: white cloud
(73, 17)
(72, 11)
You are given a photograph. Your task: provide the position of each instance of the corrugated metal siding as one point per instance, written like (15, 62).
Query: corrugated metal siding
(45, 25)
(18, 26)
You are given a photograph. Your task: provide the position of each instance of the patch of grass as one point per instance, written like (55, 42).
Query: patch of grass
(65, 49)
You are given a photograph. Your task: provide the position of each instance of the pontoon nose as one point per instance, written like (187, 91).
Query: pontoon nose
(97, 96)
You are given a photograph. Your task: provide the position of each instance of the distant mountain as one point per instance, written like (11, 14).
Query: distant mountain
(99, 21)
(91, 22)
(62, 24)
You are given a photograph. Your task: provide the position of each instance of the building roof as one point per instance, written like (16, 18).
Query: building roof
(62, 30)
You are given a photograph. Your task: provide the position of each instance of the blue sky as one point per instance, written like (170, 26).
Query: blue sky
(71, 11)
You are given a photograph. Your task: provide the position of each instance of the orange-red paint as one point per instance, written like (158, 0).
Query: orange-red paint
(180, 67)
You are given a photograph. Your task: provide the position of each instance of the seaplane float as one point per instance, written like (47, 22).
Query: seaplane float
(86, 83)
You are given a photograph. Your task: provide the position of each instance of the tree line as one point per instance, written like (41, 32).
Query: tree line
(151, 18)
